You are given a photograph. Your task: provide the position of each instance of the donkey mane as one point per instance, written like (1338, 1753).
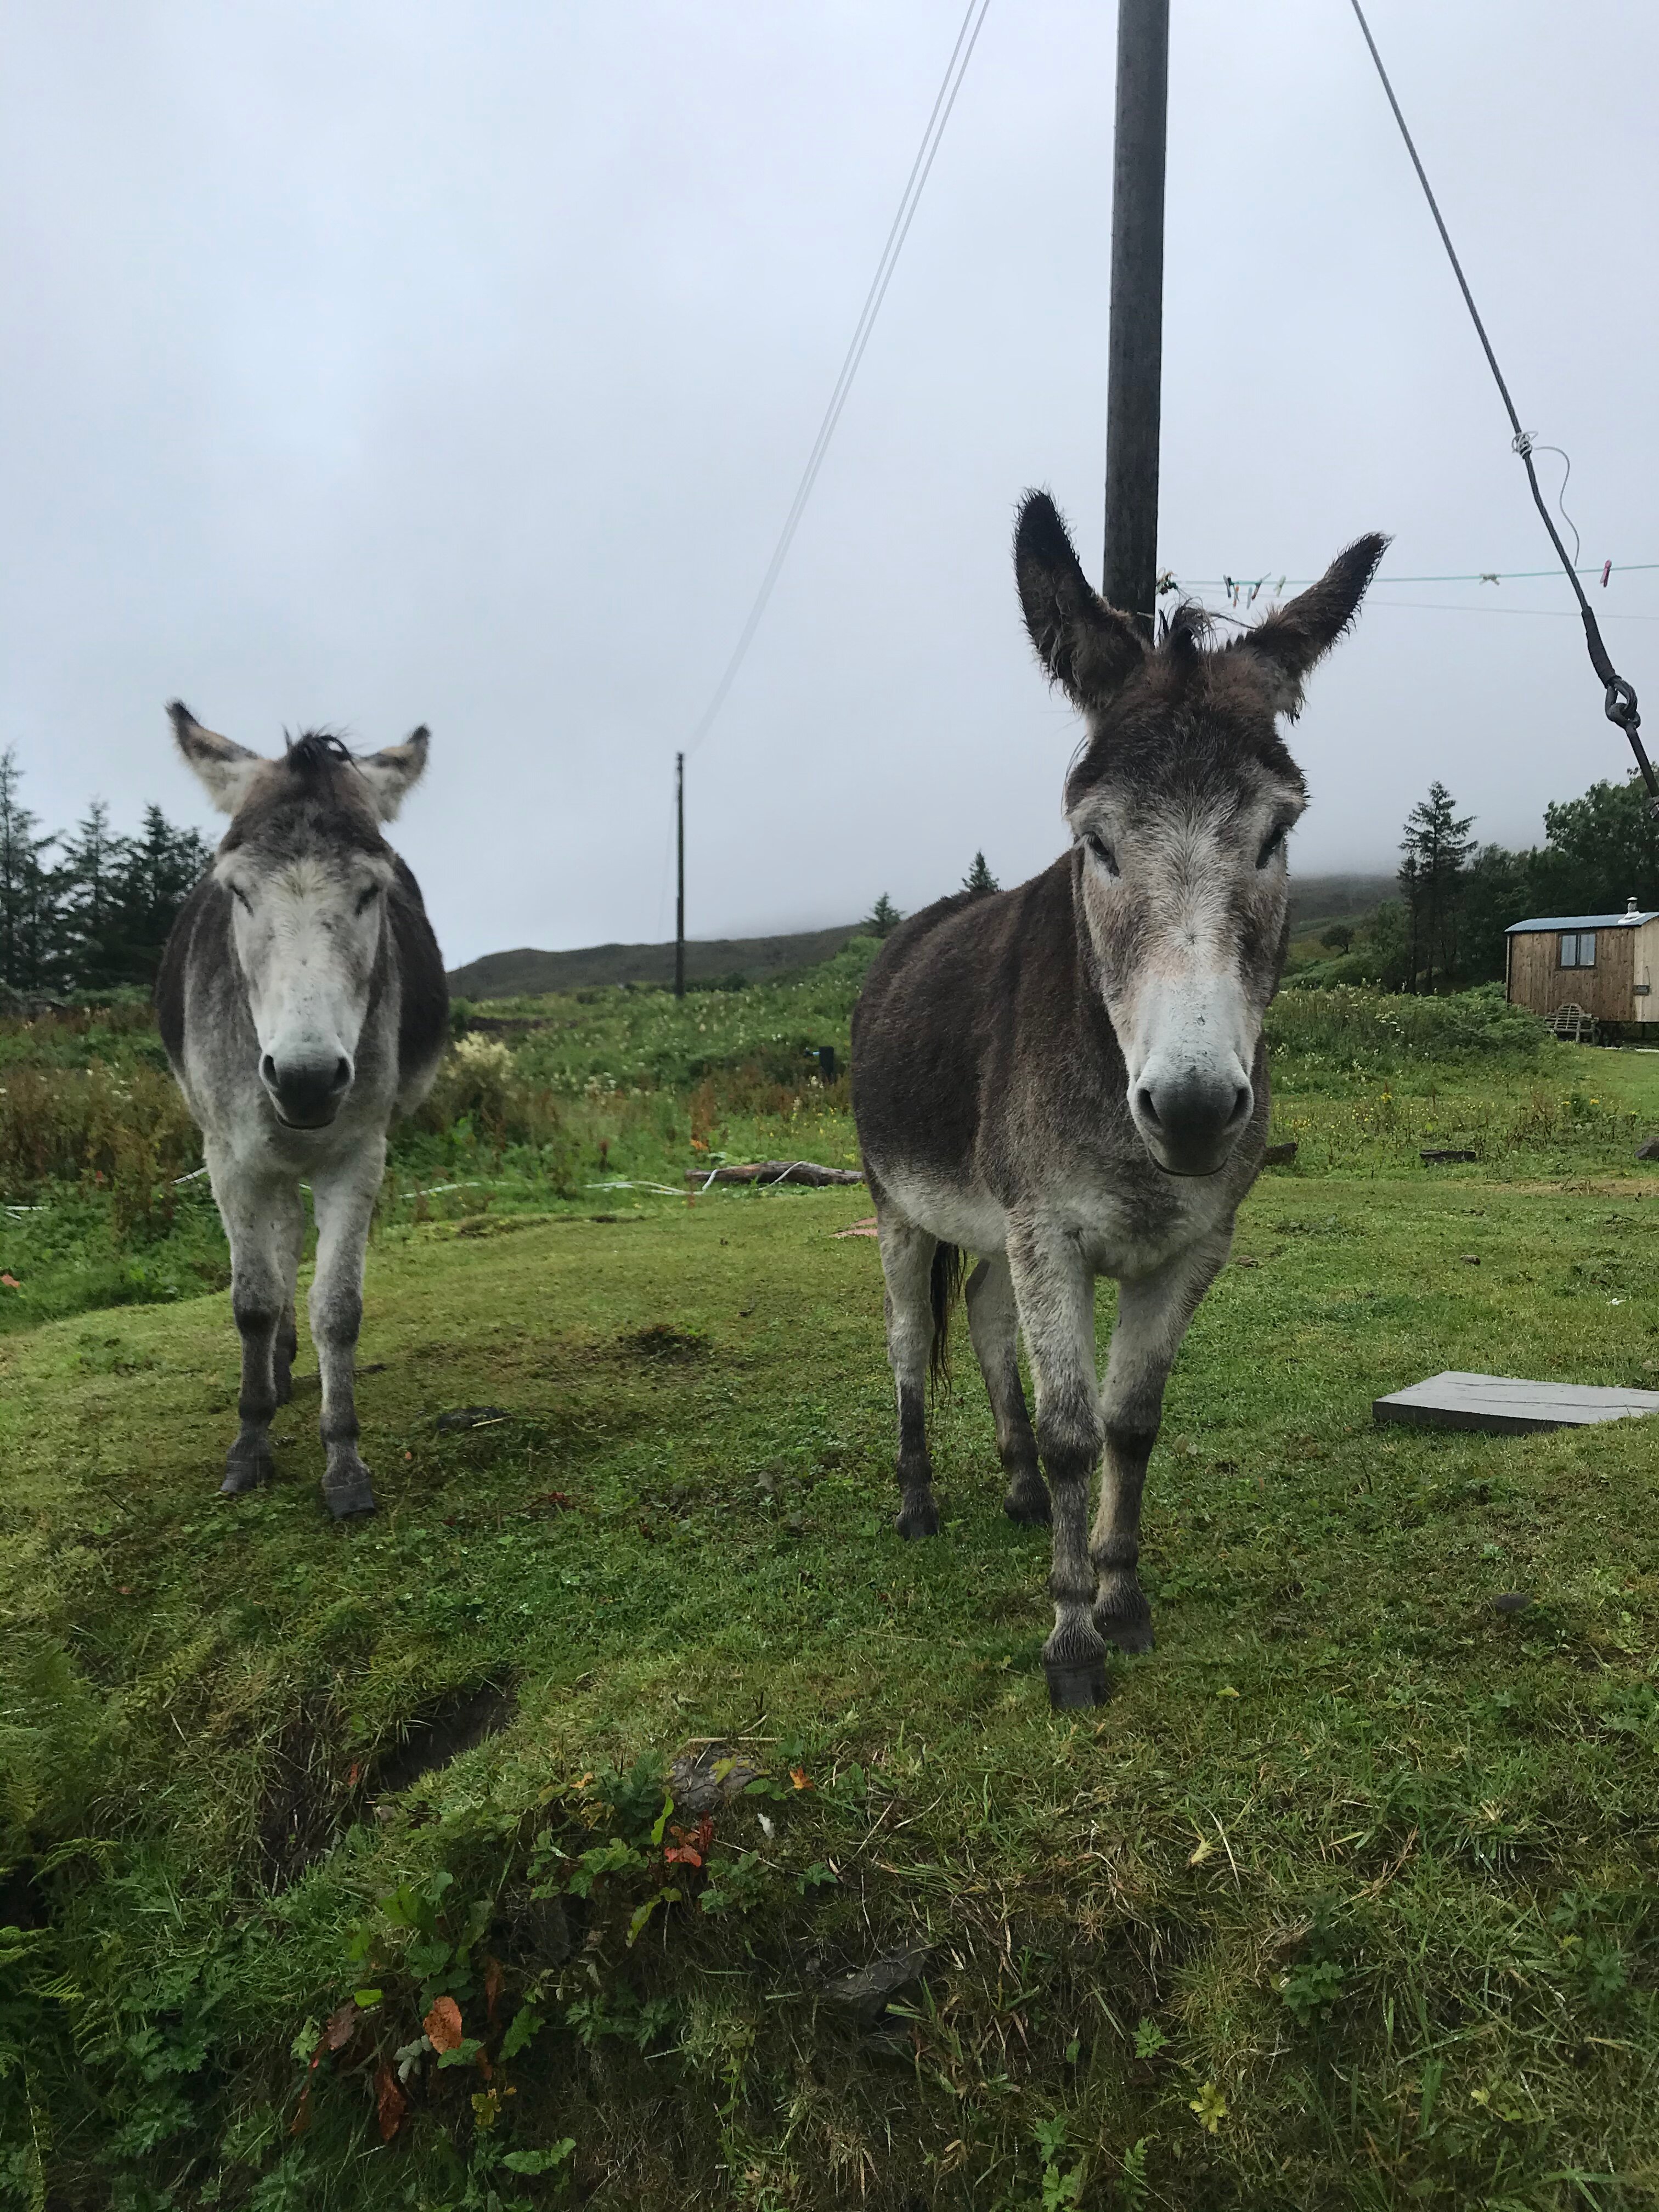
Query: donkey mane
(314, 752)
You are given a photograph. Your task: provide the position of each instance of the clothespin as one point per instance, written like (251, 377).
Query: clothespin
(1487, 577)
(1607, 570)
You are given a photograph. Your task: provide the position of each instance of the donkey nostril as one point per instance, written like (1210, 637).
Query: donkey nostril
(268, 1069)
(1243, 1103)
(341, 1073)
(1144, 1100)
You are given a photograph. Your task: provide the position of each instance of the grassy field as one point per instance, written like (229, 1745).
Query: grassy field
(346, 1868)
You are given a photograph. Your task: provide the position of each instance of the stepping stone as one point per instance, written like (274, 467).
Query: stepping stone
(1507, 1406)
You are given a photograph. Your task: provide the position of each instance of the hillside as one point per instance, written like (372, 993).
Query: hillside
(527, 972)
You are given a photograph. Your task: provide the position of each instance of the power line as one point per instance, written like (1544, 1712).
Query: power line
(956, 69)
(1474, 576)
(1619, 695)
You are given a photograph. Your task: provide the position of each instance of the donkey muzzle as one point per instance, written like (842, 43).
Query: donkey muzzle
(1191, 1118)
(306, 1091)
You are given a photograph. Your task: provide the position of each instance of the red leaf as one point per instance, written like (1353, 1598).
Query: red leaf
(681, 1855)
(443, 2025)
(798, 1776)
(301, 2119)
(705, 1834)
(351, 1778)
(389, 2103)
(342, 2026)
(494, 1981)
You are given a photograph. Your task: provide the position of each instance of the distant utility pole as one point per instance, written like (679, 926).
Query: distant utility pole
(1134, 351)
(679, 898)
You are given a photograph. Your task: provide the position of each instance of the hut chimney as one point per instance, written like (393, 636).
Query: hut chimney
(1631, 908)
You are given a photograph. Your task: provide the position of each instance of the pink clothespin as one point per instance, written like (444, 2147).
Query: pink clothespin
(1607, 570)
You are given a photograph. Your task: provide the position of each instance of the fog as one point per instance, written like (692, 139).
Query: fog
(368, 365)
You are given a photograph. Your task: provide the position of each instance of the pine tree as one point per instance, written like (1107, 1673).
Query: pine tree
(29, 890)
(1437, 847)
(92, 872)
(163, 866)
(883, 919)
(979, 877)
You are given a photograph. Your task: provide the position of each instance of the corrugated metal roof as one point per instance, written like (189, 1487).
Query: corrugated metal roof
(1582, 922)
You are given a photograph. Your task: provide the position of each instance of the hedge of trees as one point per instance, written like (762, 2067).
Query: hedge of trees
(1457, 896)
(86, 910)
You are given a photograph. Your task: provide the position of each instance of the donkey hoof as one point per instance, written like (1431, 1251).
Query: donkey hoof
(243, 1474)
(1072, 1684)
(1027, 1504)
(352, 1494)
(917, 1516)
(1132, 1633)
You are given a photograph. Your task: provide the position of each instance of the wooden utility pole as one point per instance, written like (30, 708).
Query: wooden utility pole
(1134, 352)
(679, 896)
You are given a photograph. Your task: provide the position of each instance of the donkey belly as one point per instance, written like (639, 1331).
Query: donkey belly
(963, 1214)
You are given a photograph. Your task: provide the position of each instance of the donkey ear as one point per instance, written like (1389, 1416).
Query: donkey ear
(1302, 631)
(225, 770)
(1088, 648)
(394, 771)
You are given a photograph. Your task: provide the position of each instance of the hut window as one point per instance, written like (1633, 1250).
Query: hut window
(1570, 950)
(1579, 948)
(1587, 948)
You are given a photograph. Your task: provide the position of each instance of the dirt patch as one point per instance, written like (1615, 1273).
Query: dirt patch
(307, 1787)
(441, 1732)
(663, 1344)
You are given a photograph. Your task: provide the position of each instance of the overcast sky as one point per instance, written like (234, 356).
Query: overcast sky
(373, 363)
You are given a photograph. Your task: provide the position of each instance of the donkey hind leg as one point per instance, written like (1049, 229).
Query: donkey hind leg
(344, 1199)
(1152, 1318)
(907, 1264)
(993, 1324)
(264, 1220)
(1054, 1288)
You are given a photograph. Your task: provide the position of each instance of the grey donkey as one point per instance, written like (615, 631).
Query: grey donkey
(1069, 1080)
(303, 1003)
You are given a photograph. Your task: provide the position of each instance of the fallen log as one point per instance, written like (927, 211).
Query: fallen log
(807, 1171)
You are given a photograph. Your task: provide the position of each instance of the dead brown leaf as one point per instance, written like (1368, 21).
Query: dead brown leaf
(389, 2103)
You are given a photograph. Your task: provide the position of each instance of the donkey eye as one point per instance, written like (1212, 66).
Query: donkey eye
(1101, 851)
(366, 899)
(1274, 843)
(241, 898)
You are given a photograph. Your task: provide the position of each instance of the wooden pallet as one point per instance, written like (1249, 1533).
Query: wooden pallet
(1507, 1406)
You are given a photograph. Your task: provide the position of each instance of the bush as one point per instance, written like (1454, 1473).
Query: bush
(1346, 1027)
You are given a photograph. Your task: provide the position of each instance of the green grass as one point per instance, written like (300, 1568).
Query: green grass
(1343, 1899)
(1353, 1855)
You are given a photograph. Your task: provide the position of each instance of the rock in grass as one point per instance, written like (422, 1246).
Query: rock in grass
(867, 1992)
(1649, 1151)
(1512, 1602)
(702, 1781)
(473, 1417)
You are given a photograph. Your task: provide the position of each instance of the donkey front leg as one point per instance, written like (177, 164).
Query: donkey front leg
(907, 1264)
(265, 1222)
(345, 1201)
(993, 1324)
(1054, 1288)
(1153, 1312)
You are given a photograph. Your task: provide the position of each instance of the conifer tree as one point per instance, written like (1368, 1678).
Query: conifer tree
(1436, 847)
(979, 877)
(29, 890)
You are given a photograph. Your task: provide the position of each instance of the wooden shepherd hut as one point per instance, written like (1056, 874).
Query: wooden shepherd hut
(1605, 963)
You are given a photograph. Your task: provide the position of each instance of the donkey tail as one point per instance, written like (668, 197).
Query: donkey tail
(949, 1266)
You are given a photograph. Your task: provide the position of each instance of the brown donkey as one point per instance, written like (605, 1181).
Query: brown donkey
(1069, 1080)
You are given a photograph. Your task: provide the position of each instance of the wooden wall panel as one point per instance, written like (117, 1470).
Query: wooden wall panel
(1538, 981)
